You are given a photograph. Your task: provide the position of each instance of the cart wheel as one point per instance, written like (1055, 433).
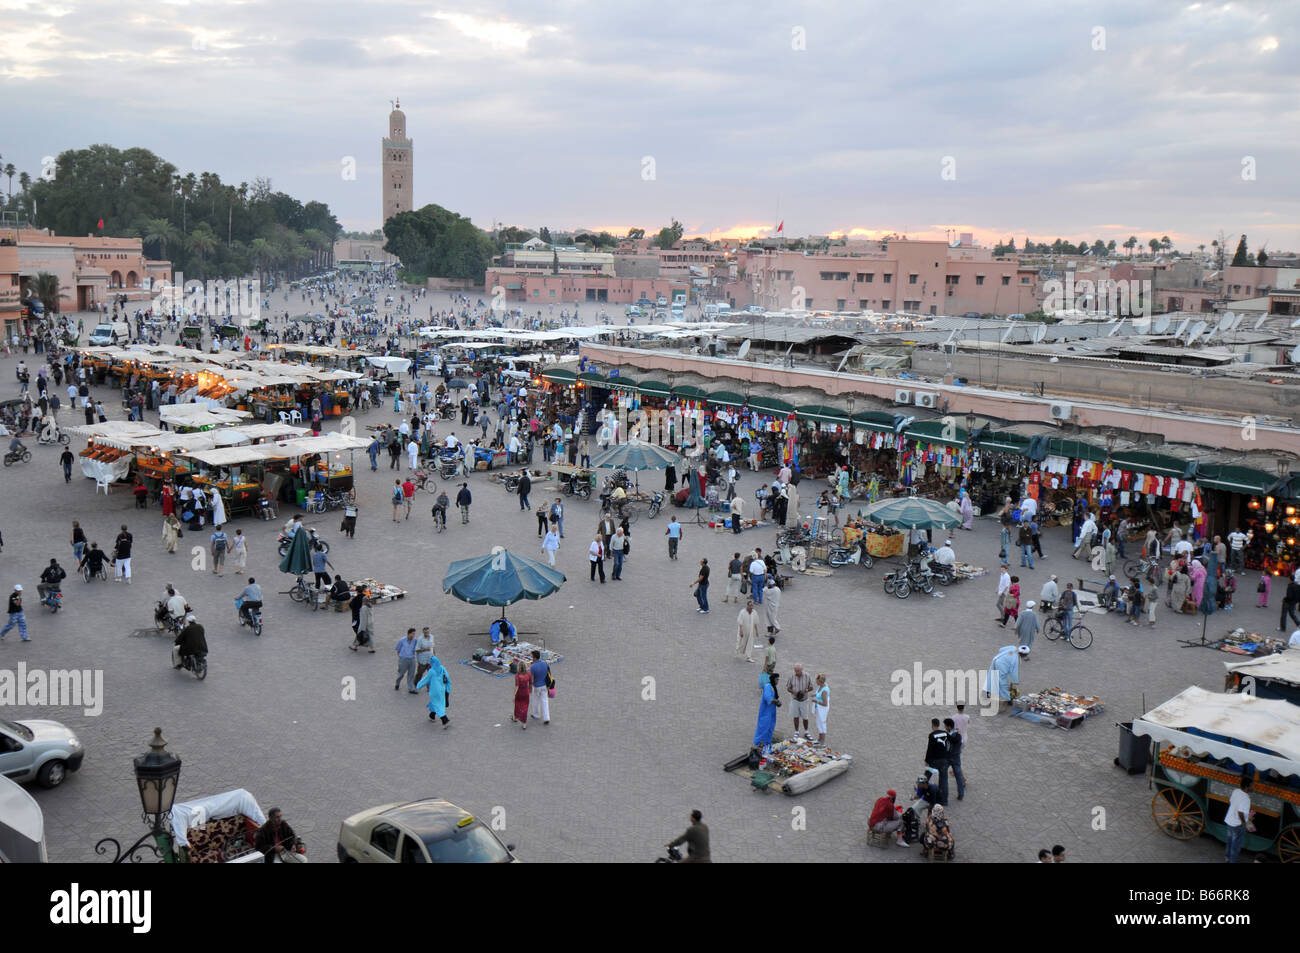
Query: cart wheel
(1288, 844)
(1081, 636)
(1177, 813)
(1052, 630)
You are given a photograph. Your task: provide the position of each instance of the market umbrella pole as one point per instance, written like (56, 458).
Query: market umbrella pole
(1209, 593)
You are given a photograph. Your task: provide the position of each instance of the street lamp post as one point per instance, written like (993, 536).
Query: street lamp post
(156, 775)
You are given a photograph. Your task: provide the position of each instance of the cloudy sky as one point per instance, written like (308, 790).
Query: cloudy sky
(1070, 119)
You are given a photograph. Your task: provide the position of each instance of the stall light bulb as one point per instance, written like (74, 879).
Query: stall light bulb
(1268, 527)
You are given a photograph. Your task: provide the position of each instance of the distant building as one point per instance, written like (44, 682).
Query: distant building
(362, 254)
(91, 270)
(397, 152)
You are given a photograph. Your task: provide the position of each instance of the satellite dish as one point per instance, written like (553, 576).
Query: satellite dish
(1182, 327)
(1224, 321)
(1006, 334)
(1040, 332)
(1196, 331)
(1260, 323)
(1162, 324)
(1236, 320)
(1142, 325)
(1294, 356)
(1114, 328)
(743, 350)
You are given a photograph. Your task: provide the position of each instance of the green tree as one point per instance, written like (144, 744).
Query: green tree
(669, 235)
(202, 240)
(1099, 247)
(161, 232)
(1131, 244)
(1154, 244)
(1261, 258)
(1241, 257)
(1110, 246)
(1165, 243)
(544, 234)
(44, 286)
(636, 233)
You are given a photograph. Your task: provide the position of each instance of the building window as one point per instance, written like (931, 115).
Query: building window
(911, 306)
(979, 279)
(834, 276)
(911, 279)
(884, 304)
(839, 304)
(1006, 280)
(866, 277)
(1024, 281)
(862, 304)
(889, 279)
(933, 309)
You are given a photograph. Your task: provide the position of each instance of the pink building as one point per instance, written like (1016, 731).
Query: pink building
(90, 269)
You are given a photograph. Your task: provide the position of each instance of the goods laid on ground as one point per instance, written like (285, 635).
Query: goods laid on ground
(1066, 710)
(378, 591)
(967, 571)
(792, 767)
(495, 661)
(1241, 642)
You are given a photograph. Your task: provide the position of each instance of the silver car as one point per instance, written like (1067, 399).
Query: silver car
(38, 750)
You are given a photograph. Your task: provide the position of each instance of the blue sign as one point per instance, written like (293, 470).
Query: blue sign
(614, 372)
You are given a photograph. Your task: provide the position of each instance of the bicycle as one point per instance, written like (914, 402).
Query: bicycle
(1080, 636)
(301, 592)
(440, 518)
(1145, 566)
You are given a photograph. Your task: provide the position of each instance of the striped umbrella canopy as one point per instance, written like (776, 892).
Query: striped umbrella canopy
(911, 512)
(635, 455)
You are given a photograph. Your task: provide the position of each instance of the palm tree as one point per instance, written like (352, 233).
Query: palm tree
(1165, 243)
(1154, 245)
(1202, 248)
(24, 181)
(161, 231)
(1131, 244)
(44, 286)
(318, 241)
(262, 252)
(202, 241)
(10, 171)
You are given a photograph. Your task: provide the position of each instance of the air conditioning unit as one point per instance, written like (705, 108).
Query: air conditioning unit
(1062, 410)
(949, 348)
(927, 399)
(902, 396)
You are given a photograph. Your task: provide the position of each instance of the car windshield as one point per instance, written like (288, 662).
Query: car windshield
(466, 845)
(22, 731)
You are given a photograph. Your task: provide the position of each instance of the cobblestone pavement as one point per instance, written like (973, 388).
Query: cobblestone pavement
(614, 775)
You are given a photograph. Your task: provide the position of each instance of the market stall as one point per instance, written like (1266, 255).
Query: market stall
(1062, 708)
(791, 766)
(496, 660)
(1272, 676)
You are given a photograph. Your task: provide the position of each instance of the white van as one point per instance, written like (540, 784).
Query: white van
(119, 332)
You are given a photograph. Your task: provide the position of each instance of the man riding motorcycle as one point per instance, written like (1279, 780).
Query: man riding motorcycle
(251, 599)
(190, 641)
(50, 580)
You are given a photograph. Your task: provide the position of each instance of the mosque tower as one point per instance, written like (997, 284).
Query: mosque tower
(398, 166)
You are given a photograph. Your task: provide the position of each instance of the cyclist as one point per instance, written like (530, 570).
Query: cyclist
(1069, 601)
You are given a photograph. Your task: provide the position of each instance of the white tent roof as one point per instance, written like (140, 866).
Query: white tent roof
(231, 456)
(262, 431)
(122, 434)
(200, 415)
(397, 365)
(325, 443)
(1282, 667)
(1271, 724)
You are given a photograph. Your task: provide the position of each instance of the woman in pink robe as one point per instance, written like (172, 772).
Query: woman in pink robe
(1197, 572)
(523, 690)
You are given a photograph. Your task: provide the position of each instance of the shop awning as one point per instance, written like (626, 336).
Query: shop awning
(822, 414)
(626, 383)
(1004, 442)
(726, 398)
(875, 420)
(591, 377)
(1076, 449)
(1234, 479)
(689, 392)
(654, 388)
(773, 406)
(1154, 464)
(937, 431)
(559, 375)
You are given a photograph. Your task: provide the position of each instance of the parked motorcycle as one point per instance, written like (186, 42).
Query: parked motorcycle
(656, 504)
(897, 584)
(316, 543)
(850, 555)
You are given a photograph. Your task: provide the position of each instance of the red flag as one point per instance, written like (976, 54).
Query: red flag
(779, 228)
(101, 223)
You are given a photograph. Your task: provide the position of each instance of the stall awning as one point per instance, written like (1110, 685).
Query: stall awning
(1004, 442)
(1076, 449)
(726, 398)
(822, 414)
(689, 392)
(1234, 479)
(654, 388)
(875, 420)
(1154, 464)
(773, 406)
(937, 431)
(591, 377)
(559, 375)
(626, 383)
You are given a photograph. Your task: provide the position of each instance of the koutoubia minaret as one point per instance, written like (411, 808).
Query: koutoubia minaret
(398, 165)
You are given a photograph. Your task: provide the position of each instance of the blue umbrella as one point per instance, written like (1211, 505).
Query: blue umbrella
(635, 455)
(500, 578)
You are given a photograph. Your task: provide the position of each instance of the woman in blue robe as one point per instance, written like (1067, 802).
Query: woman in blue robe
(766, 711)
(439, 684)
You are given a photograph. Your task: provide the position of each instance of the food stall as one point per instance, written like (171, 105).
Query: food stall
(235, 472)
(111, 446)
(1202, 744)
(1273, 676)
(199, 416)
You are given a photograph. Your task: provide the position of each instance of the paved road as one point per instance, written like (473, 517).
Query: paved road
(615, 774)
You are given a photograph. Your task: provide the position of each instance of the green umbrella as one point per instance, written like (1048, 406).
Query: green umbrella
(635, 456)
(911, 512)
(298, 559)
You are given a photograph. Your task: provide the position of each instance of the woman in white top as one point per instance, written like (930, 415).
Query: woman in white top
(239, 551)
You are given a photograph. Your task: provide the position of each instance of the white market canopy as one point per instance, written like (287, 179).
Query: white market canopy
(235, 456)
(200, 415)
(1236, 721)
(394, 365)
(1282, 667)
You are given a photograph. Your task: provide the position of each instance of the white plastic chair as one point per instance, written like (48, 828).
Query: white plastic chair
(102, 483)
(284, 417)
(295, 416)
